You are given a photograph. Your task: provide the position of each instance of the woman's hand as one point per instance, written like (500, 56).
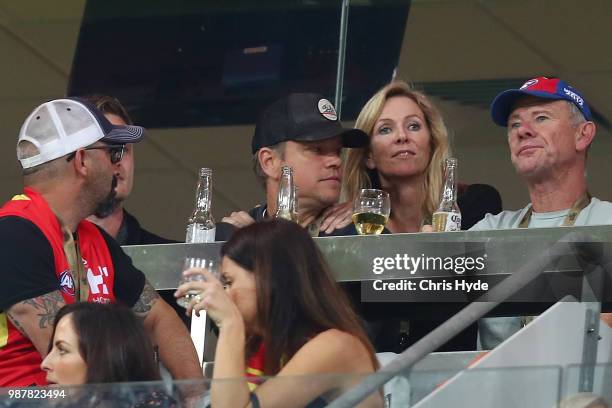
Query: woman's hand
(212, 297)
(336, 217)
(427, 228)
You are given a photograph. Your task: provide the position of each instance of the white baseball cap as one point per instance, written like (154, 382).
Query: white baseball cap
(63, 126)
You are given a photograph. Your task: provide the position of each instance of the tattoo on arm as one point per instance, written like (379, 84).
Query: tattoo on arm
(45, 307)
(147, 299)
(16, 323)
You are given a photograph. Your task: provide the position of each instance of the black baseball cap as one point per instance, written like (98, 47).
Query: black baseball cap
(303, 117)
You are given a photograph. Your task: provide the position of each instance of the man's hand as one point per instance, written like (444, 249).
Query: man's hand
(167, 331)
(34, 318)
(337, 216)
(239, 219)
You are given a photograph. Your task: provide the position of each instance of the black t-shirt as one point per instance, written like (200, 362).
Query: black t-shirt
(28, 267)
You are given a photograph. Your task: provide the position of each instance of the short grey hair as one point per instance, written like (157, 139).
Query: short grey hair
(279, 148)
(576, 116)
(41, 173)
(48, 169)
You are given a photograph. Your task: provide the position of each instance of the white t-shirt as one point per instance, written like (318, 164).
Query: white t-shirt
(596, 213)
(494, 330)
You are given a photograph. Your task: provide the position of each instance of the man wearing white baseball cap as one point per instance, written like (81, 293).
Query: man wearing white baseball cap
(52, 256)
(550, 129)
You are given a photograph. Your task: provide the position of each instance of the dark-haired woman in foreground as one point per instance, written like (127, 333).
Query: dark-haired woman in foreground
(96, 343)
(281, 314)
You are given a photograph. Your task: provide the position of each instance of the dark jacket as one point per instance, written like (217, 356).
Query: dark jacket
(136, 235)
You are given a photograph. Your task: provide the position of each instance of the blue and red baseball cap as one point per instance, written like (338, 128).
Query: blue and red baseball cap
(540, 87)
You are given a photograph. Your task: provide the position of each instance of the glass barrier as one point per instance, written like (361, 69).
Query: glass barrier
(442, 267)
(473, 388)
(286, 391)
(421, 387)
(600, 377)
(485, 387)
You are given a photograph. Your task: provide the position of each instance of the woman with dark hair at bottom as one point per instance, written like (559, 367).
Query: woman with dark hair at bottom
(281, 314)
(96, 343)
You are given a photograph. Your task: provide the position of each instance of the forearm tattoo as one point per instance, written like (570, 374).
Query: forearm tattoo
(45, 308)
(147, 299)
(16, 323)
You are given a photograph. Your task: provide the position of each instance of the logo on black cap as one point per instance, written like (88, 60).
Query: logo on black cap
(327, 110)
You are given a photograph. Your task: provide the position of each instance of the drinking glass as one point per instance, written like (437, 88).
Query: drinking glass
(194, 262)
(371, 211)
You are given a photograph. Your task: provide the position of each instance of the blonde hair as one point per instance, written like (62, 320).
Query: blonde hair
(355, 170)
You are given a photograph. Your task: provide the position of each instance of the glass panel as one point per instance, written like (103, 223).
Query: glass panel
(579, 377)
(501, 387)
(273, 391)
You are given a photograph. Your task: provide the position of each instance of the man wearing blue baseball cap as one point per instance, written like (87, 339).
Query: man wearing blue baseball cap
(550, 128)
(69, 154)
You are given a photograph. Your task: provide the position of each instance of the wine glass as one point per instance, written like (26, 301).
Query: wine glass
(371, 211)
(194, 262)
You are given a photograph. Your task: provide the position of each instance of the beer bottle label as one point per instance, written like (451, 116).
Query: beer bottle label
(446, 221)
(453, 222)
(196, 234)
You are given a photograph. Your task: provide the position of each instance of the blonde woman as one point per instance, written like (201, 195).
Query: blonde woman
(408, 145)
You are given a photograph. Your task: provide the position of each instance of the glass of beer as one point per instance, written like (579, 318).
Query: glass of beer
(192, 262)
(371, 210)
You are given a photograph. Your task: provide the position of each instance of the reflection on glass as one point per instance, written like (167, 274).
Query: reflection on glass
(190, 263)
(371, 211)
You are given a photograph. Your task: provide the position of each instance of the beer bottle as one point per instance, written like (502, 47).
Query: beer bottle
(286, 207)
(201, 225)
(448, 217)
(294, 203)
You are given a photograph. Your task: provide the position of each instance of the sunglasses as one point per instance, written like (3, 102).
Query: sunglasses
(115, 152)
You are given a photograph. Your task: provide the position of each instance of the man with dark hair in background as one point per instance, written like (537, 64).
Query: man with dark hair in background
(117, 221)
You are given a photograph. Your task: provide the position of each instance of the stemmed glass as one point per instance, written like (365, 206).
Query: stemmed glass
(371, 211)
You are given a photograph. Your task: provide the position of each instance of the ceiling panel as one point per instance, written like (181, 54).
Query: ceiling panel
(449, 41)
(216, 147)
(40, 11)
(575, 34)
(25, 74)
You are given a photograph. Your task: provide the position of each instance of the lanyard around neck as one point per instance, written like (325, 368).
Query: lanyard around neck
(571, 216)
(77, 270)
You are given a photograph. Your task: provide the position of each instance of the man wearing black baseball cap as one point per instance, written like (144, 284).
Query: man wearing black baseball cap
(69, 153)
(301, 130)
(550, 128)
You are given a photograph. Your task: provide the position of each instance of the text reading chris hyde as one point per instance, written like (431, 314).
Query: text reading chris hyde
(425, 285)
